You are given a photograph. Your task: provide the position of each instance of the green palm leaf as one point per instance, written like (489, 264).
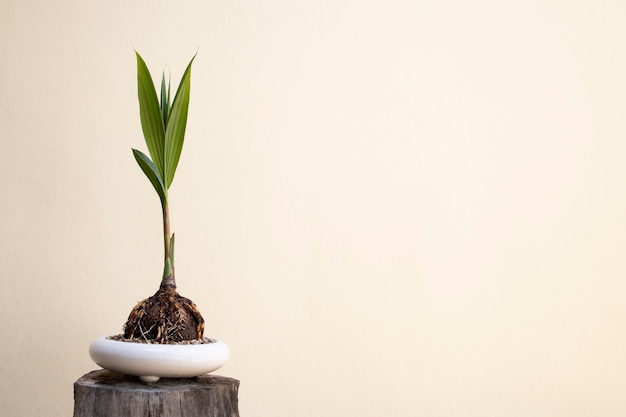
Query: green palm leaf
(151, 171)
(151, 118)
(165, 100)
(176, 125)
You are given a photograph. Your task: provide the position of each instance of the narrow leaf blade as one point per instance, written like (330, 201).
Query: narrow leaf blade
(151, 171)
(176, 126)
(165, 101)
(150, 113)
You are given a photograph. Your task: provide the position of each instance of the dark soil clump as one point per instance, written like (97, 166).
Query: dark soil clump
(120, 338)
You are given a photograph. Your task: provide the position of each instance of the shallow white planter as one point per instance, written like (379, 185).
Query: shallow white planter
(150, 362)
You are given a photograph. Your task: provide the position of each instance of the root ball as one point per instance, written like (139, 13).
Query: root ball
(166, 317)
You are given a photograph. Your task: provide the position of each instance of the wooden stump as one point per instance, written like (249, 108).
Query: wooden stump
(108, 394)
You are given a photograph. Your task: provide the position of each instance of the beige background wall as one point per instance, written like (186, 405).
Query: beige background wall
(386, 208)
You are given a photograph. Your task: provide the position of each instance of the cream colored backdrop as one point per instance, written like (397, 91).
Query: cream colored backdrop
(386, 208)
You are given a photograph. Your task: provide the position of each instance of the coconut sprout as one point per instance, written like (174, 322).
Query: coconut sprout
(165, 317)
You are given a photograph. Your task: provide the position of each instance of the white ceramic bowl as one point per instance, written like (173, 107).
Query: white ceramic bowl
(150, 362)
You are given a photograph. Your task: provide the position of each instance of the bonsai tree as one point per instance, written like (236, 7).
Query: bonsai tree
(165, 317)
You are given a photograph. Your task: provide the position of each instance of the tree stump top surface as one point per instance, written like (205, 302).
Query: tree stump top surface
(104, 379)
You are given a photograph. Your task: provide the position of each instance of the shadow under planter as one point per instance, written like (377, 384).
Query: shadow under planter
(104, 393)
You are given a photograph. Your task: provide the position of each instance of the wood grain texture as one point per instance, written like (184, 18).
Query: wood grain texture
(108, 394)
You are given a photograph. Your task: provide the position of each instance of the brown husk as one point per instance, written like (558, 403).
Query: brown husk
(166, 317)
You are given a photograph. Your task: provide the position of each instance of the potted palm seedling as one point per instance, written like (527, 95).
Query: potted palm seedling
(164, 334)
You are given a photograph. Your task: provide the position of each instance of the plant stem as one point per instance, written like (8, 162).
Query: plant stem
(168, 242)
